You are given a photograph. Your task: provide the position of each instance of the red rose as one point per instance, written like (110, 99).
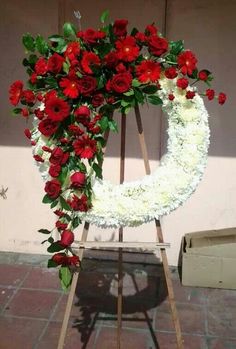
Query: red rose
(141, 37)
(182, 83)
(15, 92)
(54, 170)
(87, 85)
(148, 71)
(171, 73)
(157, 46)
(58, 157)
(72, 50)
(76, 130)
(120, 27)
(73, 260)
(121, 68)
(57, 109)
(78, 180)
(151, 29)
(97, 100)
(91, 36)
(59, 258)
(222, 98)
(67, 238)
(28, 96)
(39, 113)
(55, 63)
(70, 87)
(111, 59)
(79, 204)
(187, 62)
(89, 61)
(120, 83)
(171, 97)
(27, 133)
(47, 127)
(203, 75)
(190, 94)
(53, 188)
(127, 50)
(85, 147)
(41, 66)
(60, 225)
(82, 114)
(210, 94)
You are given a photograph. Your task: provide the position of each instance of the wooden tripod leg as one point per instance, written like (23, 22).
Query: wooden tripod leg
(72, 293)
(120, 272)
(160, 237)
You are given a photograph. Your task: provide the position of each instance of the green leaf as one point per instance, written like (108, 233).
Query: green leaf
(135, 83)
(51, 240)
(125, 103)
(47, 199)
(56, 38)
(104, 123)
(126, 110)
(134, 31)
(97, 169)
(52, 264)
(66, 67)
(139, 95)
(51, 82)
(32, 59)
(154, 100)
(76, 222)
(176, 47)
(69, 30)
(28, 42)
(41, 45)
(113, 126)
(129, 93)
(55, 247)
(64, 204)
(104, 16)
(54, 204)
(16, 111)
(44, 231)
(65, 276)
(150, 89)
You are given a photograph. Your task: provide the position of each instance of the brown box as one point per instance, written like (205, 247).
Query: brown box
(209, 259)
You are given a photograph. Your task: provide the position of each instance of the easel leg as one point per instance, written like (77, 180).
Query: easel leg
(72, 293)
(160, 237)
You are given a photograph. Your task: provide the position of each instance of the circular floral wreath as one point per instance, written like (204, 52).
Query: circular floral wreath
(76, 82)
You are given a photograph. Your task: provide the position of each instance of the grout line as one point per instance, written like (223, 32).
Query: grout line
(25, 317)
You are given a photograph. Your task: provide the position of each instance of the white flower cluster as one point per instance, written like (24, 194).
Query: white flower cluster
(172, 183)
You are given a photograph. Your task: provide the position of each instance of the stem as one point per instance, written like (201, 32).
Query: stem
(171, 62)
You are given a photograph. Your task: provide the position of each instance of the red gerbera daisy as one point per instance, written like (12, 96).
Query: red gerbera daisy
(71, 87)
(15, 92)
(148, 71)
(187, 62)
(85, 147)
(127, 50)
(57, 109)
(72, 50)
(89, 60)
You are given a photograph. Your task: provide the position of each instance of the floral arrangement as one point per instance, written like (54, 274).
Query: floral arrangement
(76, 82)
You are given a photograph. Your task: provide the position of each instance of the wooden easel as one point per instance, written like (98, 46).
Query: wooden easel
(153, 245)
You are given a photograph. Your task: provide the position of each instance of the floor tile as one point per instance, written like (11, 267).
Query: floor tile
(5, 295)
(36, 304)
(43, 278)
(220, 343)
(168, 341)
(12, 275)
(19, 333)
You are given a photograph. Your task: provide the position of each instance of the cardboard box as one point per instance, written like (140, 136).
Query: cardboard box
(209, 259)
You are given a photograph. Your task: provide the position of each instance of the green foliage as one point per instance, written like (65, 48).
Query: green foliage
(44, 231)
(176, 47)
(150, 89)
(69, 30)
(47, 199)
(64, 204)
(55, 247)
(41, 45)
(97, 169)
(65, 276)
(28, 42)
(52, 264)
(104, 16)
(154, 100)
(16, 111)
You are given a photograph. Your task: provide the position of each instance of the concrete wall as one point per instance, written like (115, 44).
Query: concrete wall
(208, 29)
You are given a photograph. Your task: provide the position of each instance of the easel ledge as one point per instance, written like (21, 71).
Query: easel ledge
(114, 244)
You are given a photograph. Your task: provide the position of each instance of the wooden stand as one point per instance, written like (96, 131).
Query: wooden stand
(157, 245)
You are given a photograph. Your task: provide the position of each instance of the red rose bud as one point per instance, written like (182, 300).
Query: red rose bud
(54, 170)
(67, 238)
(39, 113)
(190, 94)
(40, 97)
(182, 83)
(47, 149)
(171, 73)
(222, 98)
(120, 27)
(59, 258)
(60, 225)
(210, 94)
(203, 75)
(82, 112)
(64, 141)
(38, 158)
(25, 112)
(27, 133)
(59, 213)
(78, 180)
(53, 188)
(171, 97)
(33, 143)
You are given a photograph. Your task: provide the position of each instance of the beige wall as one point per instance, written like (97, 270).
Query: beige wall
(208, 29)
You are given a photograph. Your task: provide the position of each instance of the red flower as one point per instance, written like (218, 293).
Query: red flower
(59, 258)
(15, 92)
(41, 66)
(111, 59)
(182, 83)
(97, 100)
(59, 213)
(72, 50)
(25, 112)
(127, 50)
(54, 170)
(78, 180)
(58, 157)
(47, 149)
(71, 87)
(222, 98)
(203, 75)
(85, 147)
(151, 29)
(38, 158)
(57, 109)
(28, 96)
(187, 62)
(190, 94)
(171, 97)
(120, 27)
(91, 36)
(79, 204)
(55, 63)
(47, 127)
(89, 60)
(120, 83)
(59, 224)
(39, 113)
(141, 37)
(73, 260)
(87, 85)
(33, 78)
(157, 46)
(53, 188)
(67, 238)
(76, 130)
(210, 94)
(171, 73)
(27, 133)
(148, 71)
(82, 114)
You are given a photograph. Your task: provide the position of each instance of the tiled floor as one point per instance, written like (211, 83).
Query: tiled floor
(32, 306)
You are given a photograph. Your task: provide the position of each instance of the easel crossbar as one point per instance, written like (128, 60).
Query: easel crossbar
(114, 244)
